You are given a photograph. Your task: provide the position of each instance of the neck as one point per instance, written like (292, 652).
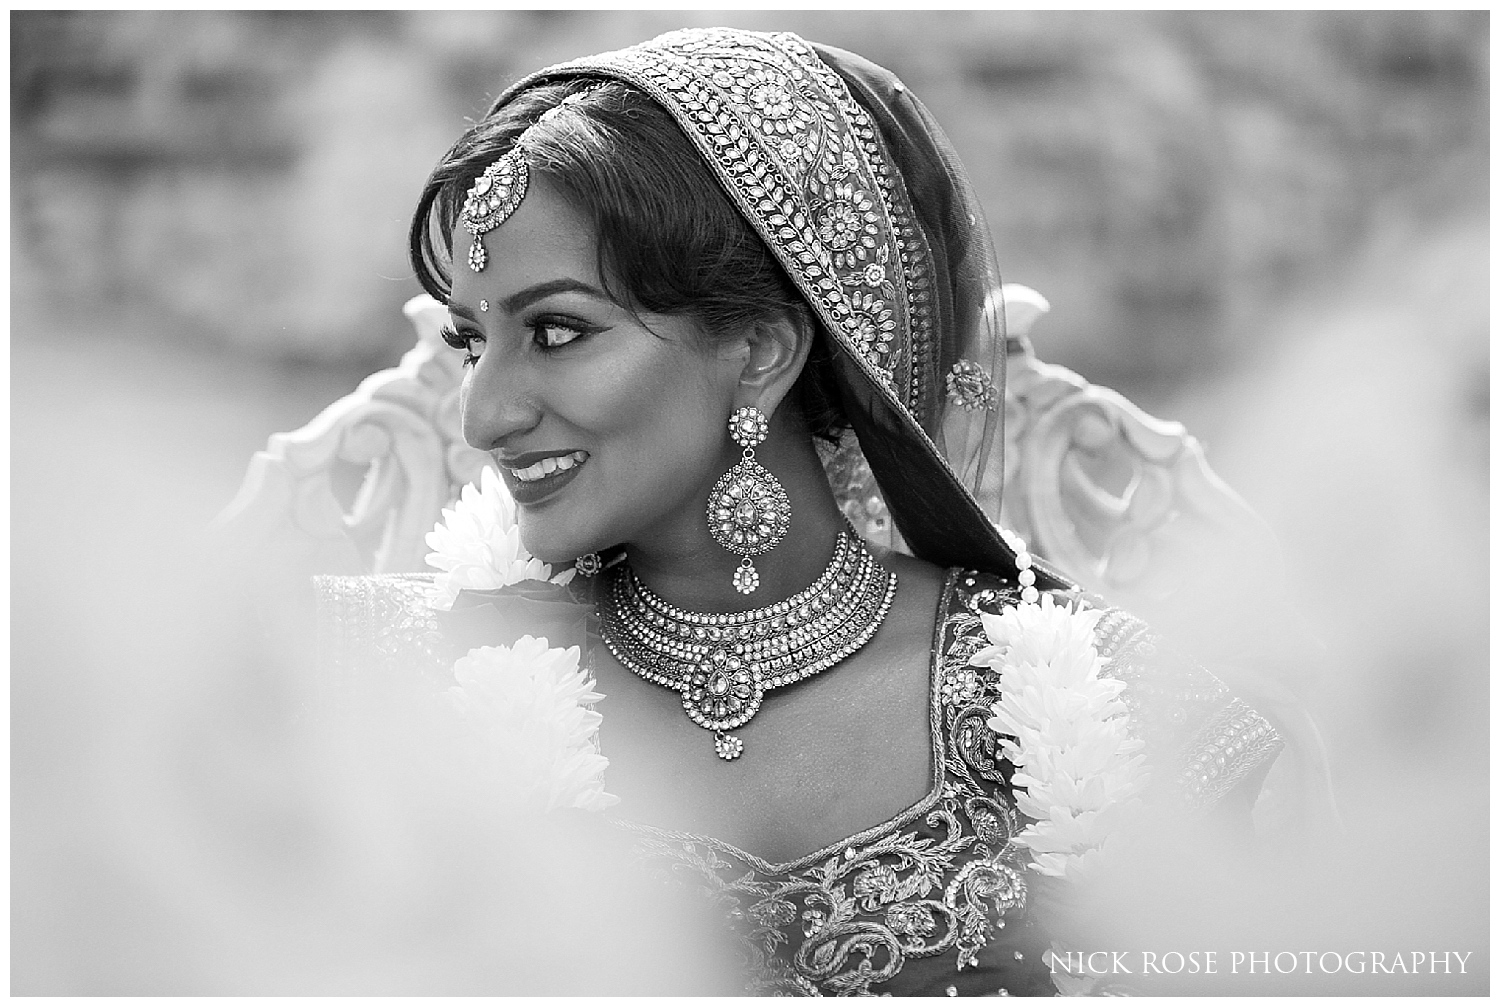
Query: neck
(693, 572)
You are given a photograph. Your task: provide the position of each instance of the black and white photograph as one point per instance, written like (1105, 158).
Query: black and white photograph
(744, 503)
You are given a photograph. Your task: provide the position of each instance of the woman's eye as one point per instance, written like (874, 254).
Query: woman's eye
(551, 333)
(469, 341)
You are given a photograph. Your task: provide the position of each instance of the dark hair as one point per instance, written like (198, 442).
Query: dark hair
(668, 235)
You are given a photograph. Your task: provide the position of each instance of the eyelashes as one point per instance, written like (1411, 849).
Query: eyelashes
(450, 336)
(462, 341)
(549, 333)
(552, 333)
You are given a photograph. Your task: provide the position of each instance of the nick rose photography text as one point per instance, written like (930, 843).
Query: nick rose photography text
(1258, 962)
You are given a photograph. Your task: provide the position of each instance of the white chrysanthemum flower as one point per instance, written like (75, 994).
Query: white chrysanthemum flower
(534, 730)
(477, 545)
(1072, 750)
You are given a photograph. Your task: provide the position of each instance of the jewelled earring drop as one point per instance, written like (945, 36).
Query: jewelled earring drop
(748, 510)
(588, 564)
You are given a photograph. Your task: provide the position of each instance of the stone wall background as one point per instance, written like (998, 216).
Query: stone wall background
(245, 179)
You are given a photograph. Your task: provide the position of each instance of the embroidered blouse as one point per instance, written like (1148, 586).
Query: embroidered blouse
(937, 900)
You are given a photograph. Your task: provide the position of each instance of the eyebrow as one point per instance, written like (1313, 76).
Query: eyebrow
(521, 298)
(515, 302)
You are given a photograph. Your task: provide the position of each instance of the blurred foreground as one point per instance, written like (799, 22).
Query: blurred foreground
(189, 817)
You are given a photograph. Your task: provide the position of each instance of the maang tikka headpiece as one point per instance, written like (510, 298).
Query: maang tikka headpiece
(492, 198)
(497, 192)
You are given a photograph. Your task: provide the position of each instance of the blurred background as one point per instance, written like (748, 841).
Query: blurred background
(1272, 226)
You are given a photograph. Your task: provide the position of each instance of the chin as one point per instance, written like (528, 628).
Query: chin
(554, 539)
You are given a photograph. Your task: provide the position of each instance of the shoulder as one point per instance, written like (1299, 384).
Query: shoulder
(1204, 738)
(1200, 739)
(358, 591)
(379, 622)
(927, 578)
(968, 597)
(908, 631)
(374, 601)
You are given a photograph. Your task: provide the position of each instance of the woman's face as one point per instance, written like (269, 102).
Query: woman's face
(606, 431)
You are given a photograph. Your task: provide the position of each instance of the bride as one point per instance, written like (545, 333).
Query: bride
(694, 281)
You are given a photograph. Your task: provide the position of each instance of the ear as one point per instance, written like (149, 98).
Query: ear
(778, 346)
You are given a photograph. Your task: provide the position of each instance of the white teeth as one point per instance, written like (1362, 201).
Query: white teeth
(547, 466)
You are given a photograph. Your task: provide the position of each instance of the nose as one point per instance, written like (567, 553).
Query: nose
(498, 401)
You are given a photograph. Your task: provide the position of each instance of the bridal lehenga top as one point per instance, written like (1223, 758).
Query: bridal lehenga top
(938, 899)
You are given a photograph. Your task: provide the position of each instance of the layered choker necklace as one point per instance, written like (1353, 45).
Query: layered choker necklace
(724, 664)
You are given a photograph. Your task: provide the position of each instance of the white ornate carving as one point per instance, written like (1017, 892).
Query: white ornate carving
(1122, 502)
(400, 428)
(1127, 505)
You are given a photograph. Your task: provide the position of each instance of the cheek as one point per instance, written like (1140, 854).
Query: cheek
(657, 424)
(667, 400)
(653, 415)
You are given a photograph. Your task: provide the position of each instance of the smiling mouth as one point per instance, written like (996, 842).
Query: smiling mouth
(545, 467)
(539, 480)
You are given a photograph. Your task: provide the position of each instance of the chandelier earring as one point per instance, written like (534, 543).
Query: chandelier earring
(748, 510)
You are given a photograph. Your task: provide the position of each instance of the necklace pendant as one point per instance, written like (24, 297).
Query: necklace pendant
(746, 577)
(727, 746)
(722, 691)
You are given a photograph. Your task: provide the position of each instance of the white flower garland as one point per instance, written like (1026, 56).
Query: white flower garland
(477, 545)
(530, 705)
(534, 706)
(1072, 749)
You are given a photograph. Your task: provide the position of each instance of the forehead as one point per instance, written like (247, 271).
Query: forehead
(546, 238)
